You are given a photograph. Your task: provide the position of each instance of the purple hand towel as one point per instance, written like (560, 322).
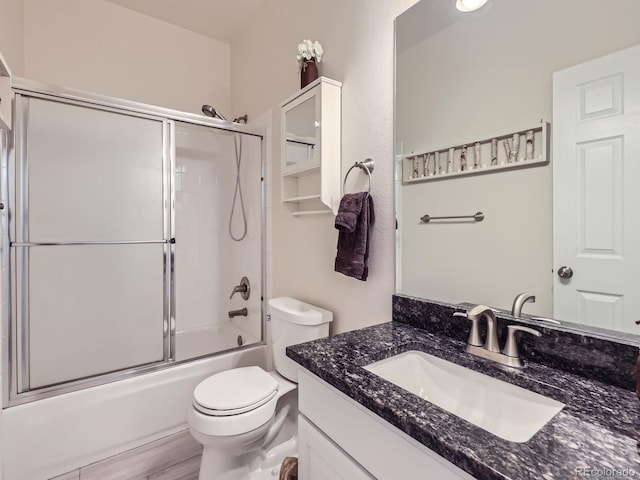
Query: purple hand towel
(353, 247)
(350, 208)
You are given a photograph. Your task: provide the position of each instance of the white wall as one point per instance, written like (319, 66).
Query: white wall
(357, 37)
(12, 34)
(488, 75)
(96, 46)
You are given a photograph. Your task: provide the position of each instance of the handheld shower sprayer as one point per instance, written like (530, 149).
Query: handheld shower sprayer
(209, 111)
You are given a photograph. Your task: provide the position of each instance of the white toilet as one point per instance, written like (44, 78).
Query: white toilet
(236, 412)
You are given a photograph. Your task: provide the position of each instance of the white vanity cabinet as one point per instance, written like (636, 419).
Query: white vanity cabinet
(340, 439)
(5, 94)
(321, 459)
(311, 142)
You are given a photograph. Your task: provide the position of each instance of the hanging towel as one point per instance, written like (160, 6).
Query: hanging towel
(354, 220)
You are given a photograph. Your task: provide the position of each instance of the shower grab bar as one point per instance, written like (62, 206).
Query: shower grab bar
(115, 242)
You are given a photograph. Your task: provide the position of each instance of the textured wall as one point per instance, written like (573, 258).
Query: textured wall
(12, 34)
(100, 47)
(358, 40)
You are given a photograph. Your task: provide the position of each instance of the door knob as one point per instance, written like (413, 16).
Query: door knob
(565, 272)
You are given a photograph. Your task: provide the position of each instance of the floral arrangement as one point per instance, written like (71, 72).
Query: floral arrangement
(309, 51)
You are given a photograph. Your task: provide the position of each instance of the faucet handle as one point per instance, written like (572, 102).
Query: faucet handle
(474, 334)
(244, 289)
(511, 347)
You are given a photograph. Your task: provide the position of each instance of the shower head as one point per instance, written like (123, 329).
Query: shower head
(209, 111)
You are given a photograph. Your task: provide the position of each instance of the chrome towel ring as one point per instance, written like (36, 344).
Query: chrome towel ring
(367, 166)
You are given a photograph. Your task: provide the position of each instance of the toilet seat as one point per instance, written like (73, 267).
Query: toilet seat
(233, 411)
(234, 392)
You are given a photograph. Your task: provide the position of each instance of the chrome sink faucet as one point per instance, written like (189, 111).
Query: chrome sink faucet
(519, 301)
(510, 356)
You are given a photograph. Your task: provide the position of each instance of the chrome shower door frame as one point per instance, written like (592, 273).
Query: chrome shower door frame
(15, 262)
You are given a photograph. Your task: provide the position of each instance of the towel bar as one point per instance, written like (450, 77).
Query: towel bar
(478, 217)
(367, 166)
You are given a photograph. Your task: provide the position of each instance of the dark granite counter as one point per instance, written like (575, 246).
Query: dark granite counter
(595, 435)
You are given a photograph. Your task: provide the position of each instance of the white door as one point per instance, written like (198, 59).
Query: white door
(596, 177)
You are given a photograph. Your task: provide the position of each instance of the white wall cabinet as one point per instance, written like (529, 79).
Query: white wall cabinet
(311, 143)
(5, 94)
(372, 446)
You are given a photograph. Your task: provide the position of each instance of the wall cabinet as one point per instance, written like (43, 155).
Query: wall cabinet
(373, 447)
(311, 143)
(5, 94)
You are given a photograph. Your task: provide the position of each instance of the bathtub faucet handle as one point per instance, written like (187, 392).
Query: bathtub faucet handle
(244, 289)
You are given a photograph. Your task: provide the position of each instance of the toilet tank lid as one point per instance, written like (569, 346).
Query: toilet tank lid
(295, 311)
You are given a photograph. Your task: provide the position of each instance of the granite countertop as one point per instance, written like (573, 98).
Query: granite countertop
(598, 429)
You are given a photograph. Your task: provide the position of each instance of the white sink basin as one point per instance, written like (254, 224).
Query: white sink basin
(508, 411)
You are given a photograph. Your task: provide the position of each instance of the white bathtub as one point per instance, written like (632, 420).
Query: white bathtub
(218, 337)
(49, 437)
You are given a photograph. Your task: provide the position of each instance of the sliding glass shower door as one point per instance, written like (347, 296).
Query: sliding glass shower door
(128, 228)
(91, 242)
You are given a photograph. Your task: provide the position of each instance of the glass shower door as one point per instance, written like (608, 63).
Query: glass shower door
(218, 194)
(90, 242)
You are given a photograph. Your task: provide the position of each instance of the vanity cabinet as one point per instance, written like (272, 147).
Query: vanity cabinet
(311, 142)
(340, 439)
(5, 94)
(322, 459)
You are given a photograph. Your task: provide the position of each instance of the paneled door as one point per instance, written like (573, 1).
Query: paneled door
(596, 157)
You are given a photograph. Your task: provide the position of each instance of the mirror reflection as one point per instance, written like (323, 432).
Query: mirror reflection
(463, 78)
(300, 135)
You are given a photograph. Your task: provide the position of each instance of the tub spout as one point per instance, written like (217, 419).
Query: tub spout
(238, 313)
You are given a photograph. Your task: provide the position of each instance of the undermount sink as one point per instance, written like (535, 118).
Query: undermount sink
(508, 411)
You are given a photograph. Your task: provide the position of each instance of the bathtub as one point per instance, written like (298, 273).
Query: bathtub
(219, 337)
(56, 435)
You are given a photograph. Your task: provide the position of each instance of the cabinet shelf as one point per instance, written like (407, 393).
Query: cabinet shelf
(301, 213)
(301, 199)
(303, 172)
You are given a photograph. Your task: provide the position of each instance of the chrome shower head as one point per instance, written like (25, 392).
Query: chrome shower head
(209, 111)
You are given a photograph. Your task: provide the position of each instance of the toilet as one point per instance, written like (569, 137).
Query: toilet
(236, 412)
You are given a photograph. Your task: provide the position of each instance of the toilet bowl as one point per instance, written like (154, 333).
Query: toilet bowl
(239, 411)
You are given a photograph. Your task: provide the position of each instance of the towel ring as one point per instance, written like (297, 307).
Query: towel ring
(367, 166)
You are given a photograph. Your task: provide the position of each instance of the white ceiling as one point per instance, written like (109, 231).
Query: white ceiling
(218, 19)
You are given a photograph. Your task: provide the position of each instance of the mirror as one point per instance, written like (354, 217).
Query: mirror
(300, 135)
(467, 77)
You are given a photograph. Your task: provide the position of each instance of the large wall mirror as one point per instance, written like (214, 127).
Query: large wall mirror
(467, 77)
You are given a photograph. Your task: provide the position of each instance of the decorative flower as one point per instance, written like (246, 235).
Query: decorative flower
(308, 50)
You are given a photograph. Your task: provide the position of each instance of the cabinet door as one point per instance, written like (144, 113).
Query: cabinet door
(301, 135)
(321, 459)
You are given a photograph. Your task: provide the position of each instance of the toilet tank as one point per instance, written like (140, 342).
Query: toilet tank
(293, 322)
